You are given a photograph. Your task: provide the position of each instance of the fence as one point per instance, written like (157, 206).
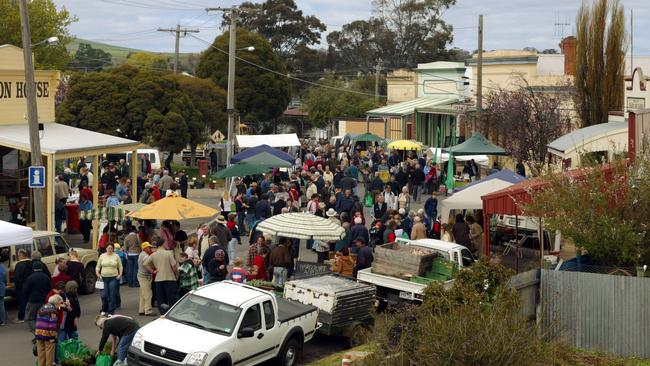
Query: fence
(527, 285)
(595, 311)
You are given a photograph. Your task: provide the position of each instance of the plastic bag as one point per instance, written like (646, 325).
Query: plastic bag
(104, 360)
(368, 200)
(72, 349)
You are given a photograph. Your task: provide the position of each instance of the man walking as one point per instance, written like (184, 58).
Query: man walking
(36, 289)
(163, 265)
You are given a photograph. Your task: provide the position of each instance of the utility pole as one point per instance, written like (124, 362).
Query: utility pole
(32, 115)
(479, 77)
(230, 100)
(631, 42)
(377, 73)
(178, 32)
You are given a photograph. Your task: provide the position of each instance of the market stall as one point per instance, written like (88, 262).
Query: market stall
(12, 234)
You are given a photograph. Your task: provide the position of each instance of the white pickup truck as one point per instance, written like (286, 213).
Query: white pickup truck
(392, 290)
(225, 324)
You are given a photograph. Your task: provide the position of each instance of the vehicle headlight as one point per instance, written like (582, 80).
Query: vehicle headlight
(197, 358)
(138, 341)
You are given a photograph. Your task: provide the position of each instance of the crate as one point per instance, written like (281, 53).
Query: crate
(444, 267)
(432, 276)
(399, 261)
(421, 280)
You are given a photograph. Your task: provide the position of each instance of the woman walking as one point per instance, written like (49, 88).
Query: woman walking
(109, 269)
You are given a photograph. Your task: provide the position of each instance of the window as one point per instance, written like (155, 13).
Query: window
(269, 315)
(252, 318)
(60, 246)
(43, 246)
(152, 158)
(26, 247)
(468, 259)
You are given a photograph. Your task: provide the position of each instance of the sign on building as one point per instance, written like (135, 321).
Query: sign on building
(36, 177)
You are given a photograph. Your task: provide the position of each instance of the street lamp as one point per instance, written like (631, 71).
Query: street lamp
(52, 41)
(32, 114)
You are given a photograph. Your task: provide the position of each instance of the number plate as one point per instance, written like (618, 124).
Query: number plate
(406, 295)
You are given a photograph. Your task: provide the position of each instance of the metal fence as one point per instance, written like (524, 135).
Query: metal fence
(595, 311)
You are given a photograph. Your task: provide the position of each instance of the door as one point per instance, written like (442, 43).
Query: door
(44, 246)
(259, 347)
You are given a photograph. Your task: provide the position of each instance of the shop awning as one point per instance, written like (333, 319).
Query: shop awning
(114, 213)
(277, 140)
(583, 137)
(61, 139)
(440, 104)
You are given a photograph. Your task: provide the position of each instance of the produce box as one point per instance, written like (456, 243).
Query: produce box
(421, 280)
(444, 267)
(402, 261)
(437, 277)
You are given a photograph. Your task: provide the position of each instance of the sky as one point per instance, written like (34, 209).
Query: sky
(508, 24)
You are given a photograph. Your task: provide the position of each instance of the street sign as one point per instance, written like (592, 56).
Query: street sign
(217, 136)
(36, 177)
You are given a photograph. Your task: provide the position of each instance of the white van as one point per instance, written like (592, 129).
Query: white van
(154, 157)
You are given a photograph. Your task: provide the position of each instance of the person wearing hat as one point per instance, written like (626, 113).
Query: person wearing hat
(221, 231)
(209, 254)
(359, 231)
(364, 255)
(218, 266)
(35, 288)
(144, 279)
(418, 231)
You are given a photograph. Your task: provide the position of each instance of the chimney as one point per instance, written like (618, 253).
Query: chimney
(568, 47)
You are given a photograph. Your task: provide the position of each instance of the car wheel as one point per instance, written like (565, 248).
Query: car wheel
(289, 353)
(88, 279)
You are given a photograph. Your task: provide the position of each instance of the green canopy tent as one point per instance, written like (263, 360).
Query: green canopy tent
(267, 160)
(241, 169)
(476, 145)
(367, 137)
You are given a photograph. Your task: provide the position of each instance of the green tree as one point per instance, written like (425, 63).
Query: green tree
(603, 209)
(324, 105)
(260, 95)
(404, 33)
(169, 132)
(208, 98)
(45, 21)
(600, 59)
(88, 58)
(282, 24)
(147, 60)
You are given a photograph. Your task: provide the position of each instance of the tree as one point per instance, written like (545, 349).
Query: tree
(476, 322)
(405, 33)
(169, 132)
(45, 21)
(147, 60)
(603, 209)
(260, 95)
(282, 24)
(528, 121)
(88, 58)
(208, 98)
(324, 105)
(600, 59)
(550, 51)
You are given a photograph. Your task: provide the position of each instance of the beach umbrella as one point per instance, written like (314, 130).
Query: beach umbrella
(260, 149)
(367, 137)
(241, 169)
(301, 226)
(173, 208)
(404, 145)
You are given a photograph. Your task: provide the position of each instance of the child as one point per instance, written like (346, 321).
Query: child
(238, 273)
(236, 238)
(122, 255)
(187, 276)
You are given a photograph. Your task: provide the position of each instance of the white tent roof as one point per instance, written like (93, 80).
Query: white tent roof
(57, 138)
(470, 198)
(443, 157)
(278, 140)
(12, 234)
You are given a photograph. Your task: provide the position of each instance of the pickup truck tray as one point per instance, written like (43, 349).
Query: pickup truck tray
(289, 309)
(339, 299)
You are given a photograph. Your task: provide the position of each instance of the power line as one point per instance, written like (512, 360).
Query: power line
(289, 76)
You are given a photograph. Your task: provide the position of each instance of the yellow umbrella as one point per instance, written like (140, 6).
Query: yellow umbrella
(404, 145)
(173, 208)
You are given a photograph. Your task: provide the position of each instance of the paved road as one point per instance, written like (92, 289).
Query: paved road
(15, 339)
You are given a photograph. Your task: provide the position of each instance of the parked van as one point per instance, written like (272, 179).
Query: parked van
(153, 154)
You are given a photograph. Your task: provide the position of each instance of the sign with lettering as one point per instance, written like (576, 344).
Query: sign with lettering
(635, 103)
(11, 89)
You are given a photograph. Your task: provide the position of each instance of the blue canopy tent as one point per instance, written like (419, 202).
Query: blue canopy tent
(506, 175)
(260, 149)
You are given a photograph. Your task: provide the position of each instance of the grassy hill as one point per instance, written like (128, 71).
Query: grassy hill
(120, 53)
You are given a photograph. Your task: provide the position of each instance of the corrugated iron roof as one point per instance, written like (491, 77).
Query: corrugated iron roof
(409, 107)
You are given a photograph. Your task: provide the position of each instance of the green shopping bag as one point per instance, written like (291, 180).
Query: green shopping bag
(72, 349)
(104, 360)
(368, 200)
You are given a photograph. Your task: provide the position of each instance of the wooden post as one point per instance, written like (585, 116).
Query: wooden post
(95, 190)
(133, 165)
(50, 164)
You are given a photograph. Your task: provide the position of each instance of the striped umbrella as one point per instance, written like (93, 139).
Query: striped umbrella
(301, 226)
(102, 214)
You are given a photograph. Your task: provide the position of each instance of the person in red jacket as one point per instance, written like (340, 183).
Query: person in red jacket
(155, 192)
(62, 276)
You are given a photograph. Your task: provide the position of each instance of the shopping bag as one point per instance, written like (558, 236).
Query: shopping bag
(72, 349)
(104, 360)
(99, 284)
(368, 200)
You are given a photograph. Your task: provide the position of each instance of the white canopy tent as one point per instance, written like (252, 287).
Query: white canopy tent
(470, 198)
(12, 234)
(443, 157)
(277, 140)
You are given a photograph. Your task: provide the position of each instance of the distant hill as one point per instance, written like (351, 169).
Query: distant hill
(120, 53)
